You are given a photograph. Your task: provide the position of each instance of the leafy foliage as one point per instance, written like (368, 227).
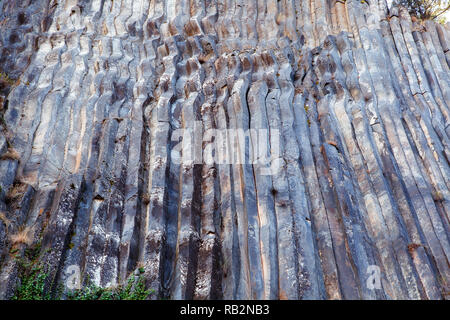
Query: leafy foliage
(32, 286)
(34, 281)
(133, 290)
(427, 9)
(6, 79)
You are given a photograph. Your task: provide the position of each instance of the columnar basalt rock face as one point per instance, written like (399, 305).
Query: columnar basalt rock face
(93, 92)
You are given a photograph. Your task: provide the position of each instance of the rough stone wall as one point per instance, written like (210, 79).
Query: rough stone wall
(360, 95)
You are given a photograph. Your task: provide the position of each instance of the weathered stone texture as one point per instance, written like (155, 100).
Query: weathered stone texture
(96, 90)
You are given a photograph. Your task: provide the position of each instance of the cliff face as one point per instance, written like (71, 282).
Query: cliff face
(350, 103)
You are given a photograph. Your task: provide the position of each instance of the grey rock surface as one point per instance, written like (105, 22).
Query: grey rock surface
(94, 92)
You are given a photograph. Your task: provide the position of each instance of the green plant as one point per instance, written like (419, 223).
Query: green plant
(33, 280)
(133, 290)
(24, 235)
(437, 196)
(32, 285)
(427, 9)
(4, 77)
(90, 292)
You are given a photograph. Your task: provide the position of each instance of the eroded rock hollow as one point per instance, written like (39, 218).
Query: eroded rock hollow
(350, 103)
